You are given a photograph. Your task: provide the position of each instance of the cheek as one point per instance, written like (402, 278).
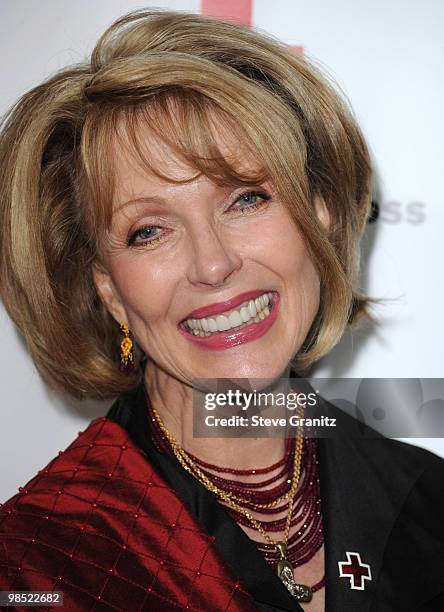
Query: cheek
(283, 250)
(279, 245)
(145, 286)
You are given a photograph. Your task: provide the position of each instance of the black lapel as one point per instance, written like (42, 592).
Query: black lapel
(233, 545)
(361, 501)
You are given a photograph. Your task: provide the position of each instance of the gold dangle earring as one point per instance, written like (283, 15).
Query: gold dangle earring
(126, 350)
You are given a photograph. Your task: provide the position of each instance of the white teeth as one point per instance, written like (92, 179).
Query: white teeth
(235, 318)
(245, 314)
(223, 323)
(248, 312)
(212, 325)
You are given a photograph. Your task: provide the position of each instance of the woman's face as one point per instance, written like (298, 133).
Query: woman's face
(177, 248)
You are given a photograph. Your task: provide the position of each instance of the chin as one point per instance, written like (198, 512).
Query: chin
(267, 371)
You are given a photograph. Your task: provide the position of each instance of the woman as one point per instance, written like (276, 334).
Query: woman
(188, 206)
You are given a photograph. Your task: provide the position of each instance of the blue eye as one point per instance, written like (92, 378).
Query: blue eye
(144, 235)
(251, 200)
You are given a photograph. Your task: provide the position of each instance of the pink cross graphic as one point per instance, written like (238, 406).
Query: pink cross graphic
(354, 569)
(238, 10)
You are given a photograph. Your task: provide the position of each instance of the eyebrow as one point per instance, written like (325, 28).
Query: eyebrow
(142, 200)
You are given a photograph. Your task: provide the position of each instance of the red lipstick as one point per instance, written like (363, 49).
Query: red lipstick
(220, 307)
(231, 337)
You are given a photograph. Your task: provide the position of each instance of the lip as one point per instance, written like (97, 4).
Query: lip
(220, 307)
(230, 338)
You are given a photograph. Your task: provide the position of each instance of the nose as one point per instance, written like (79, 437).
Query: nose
(213, 258)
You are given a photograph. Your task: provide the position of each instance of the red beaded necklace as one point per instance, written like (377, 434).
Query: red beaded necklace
(302, 543)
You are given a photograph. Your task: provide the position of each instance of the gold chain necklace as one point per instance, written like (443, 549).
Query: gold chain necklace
(284, 568)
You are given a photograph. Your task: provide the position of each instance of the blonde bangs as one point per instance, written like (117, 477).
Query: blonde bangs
(189, 125)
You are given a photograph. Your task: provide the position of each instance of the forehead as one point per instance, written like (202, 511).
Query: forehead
(146, 158)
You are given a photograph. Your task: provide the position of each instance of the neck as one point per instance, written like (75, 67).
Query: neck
(173, 400)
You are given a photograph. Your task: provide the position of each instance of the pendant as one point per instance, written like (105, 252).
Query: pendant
(301, 592)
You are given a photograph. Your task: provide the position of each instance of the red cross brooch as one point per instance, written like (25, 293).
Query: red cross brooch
(354, 569)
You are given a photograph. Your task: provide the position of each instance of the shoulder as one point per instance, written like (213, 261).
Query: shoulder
(390, 456)
(407, 472)
(81, 496)
(397, 478)
(396, 455)
(424, 502)
(101, 452)
(414, 554)
(426, 495)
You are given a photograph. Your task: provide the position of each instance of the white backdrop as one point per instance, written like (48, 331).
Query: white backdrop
(388, 58)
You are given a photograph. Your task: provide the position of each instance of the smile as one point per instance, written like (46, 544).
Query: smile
(251, 311)
(248, 321)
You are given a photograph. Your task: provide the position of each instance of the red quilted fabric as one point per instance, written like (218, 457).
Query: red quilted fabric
(100, 525)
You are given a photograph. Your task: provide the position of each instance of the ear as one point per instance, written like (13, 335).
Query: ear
(322, 211)
(108, 293)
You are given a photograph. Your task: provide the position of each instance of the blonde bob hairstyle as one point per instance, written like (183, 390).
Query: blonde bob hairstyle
(172, 72)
